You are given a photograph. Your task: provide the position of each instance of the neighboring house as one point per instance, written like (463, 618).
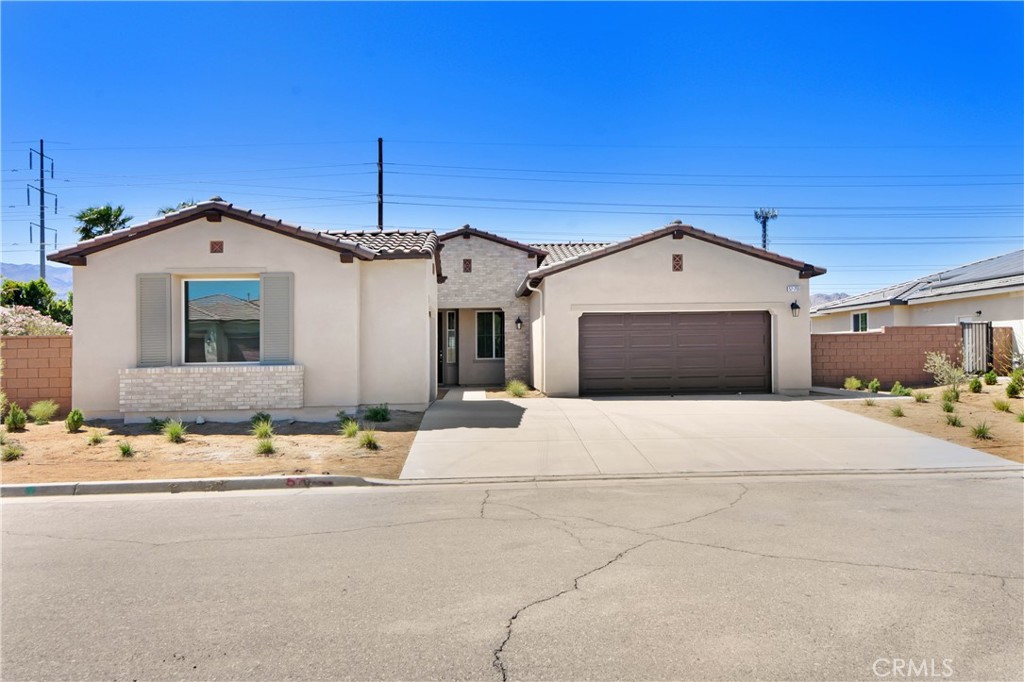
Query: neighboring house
(675, 310)
(990, 290)
(218, 311)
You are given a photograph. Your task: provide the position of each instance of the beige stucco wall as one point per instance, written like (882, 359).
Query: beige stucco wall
(1005, 309)
(330, 312)
(641, 279)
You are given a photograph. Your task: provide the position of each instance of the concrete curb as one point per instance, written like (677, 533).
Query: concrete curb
(183, 485)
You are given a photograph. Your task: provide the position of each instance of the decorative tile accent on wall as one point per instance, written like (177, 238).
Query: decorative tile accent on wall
(677, 262)
(216, 247)
(467, 265)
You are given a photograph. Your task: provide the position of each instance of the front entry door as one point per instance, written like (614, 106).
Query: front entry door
(448, 347)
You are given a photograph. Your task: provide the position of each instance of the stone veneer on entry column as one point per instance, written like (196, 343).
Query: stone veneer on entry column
(207, 388)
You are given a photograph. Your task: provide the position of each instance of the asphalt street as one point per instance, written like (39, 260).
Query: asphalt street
(837, 577)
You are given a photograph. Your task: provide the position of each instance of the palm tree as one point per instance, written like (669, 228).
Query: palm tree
(97, 220)
(171, 209)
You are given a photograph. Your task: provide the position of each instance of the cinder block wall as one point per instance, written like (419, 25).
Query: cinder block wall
(37, 368)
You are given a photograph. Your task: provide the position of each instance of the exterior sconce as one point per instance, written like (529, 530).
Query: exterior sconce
(519, 323)
(794, 307)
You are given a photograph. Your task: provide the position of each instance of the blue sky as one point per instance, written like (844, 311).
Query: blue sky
(889, 136)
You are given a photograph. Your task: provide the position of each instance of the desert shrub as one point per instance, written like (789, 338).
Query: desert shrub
(981, 431)
(896, 411)
(3, 403)
(953, 420)
(378, 413)
(1020, 416)
(1017, 376)
(174, 430)
(265, 446)
(951, 395)
(516, 388)
(3, 438)
(874, 385)
(975, 385)
(368, 440)
(95, 437)
(263, 429)
(1001, 405)
(74, 421)
(42, 411)
(18, 320)
(852, 384)
(260, 417)
(991, 378)
(126, 449)
(16, 418)
(156, 425)
(349, 428)
(921, 397)
(11, 452)
(947, 406)
(870, 402)
(899, 389)
(1013, 390)
(944, 370)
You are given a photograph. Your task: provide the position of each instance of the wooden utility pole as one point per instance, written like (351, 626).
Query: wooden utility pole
(380, 184)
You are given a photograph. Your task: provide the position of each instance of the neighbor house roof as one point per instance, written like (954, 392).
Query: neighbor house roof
(564, 251)
(678, 231)
(351, 245)
(990, 274)
(467, 231)
(223, 307)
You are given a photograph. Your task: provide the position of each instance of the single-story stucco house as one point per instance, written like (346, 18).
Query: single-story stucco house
(218, 311)
(989, 290)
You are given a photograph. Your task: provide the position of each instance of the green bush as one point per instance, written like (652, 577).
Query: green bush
(896, 411)
(260, 417)
(174, 430)
(368, 440)
(15, 419)
(74, 421)
(3, 402)
(1001, 405)
(516, 388)
(921, 397)
(42, 411)
(981, 431)
(1013, 390)
(263, 429)
(874, 385)
(95, 437)
(852, 384)
(1020, 416)
(947, 406)
(991, 378)
(378, 413)
(951, 395)
(1017, 376)
(156, 425)
(899, 389)
(265, 446)
(953, 420)
(11, 452)
(126, 449)
(975, 385)
(349, 428)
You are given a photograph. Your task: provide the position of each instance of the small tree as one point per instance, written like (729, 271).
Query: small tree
(945, 371)
(35, 294)
(97, 220)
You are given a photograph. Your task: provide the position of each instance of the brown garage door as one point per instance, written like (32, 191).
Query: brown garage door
(725, 352)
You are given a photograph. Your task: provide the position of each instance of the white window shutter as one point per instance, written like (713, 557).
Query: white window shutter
(153, 299)
(276, 318)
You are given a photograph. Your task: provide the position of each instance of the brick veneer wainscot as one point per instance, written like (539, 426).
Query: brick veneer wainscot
(209, 388)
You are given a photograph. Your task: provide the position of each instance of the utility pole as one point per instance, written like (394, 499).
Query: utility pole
(380, 184)
(763, 215)
(42, 203)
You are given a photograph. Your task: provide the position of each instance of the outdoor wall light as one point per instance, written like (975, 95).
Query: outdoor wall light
(794, 307)
(519, 323)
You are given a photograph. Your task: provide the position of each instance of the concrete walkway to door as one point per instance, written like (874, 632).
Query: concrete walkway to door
(466, 435)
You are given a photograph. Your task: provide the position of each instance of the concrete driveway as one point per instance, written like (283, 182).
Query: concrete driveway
(466, 435)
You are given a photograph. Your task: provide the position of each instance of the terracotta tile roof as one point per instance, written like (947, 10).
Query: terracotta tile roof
(676, 229)
(393, 243)
(467, 230)
(563, 251)
(223, 307)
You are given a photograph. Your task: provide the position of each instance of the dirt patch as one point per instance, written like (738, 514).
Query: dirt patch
(974, 408)
(211, 450)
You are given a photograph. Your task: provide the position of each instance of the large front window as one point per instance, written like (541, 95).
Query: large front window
(222, 320)
(490, 335)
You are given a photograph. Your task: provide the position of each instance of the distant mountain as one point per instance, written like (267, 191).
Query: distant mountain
(57, 276)
(820, 299)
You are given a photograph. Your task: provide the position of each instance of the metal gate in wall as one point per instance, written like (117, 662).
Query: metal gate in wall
(977, 344)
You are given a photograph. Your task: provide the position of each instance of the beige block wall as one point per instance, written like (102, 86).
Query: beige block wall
(641, 279)
(497, 272)
(327, 313)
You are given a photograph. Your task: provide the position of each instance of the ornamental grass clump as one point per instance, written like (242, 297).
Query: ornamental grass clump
(126, 449)
(896, 411)
(953, 420)
(947, 406)
(368, 440)
(921, 397)
(516, 388)
(1001, 405)
(263, 429)
(42, 411)
(12, 452)
(265, 446)
(174, 431)
(982, 431)
(95, 437)
(349, 428)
